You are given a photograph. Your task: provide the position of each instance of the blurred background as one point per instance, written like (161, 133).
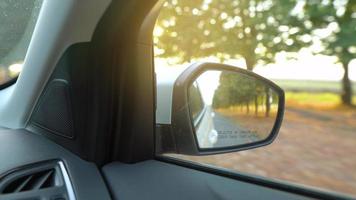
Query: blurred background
(308, 47)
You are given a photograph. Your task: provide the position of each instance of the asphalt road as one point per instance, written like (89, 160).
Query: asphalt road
(230, 133)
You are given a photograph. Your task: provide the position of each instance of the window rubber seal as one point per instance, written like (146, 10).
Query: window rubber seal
(8, 83)
(309, 192)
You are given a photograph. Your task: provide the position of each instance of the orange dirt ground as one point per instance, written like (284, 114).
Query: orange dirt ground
(314, 147)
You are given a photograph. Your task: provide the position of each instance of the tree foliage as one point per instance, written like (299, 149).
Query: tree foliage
(334, 22)
(257, 30)
(252, 29)
(235, 89)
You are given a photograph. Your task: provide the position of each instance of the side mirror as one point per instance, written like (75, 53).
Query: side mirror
(217, 108)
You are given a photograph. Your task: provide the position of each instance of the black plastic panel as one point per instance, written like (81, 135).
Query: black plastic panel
(159, 180)
(61, 112)
(20, 147)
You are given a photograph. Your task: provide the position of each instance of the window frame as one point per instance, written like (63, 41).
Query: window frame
(9, 82)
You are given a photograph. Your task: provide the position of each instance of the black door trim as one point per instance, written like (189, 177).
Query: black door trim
(249, 178)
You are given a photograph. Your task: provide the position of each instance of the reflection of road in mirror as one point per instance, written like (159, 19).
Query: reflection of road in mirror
(213, 136)
(230, 133)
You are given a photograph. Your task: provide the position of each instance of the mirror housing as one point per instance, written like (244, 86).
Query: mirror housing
(181, 138)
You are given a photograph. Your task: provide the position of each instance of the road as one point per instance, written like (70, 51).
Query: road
(230, 133)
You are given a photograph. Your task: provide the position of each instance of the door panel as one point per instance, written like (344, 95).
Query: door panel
(159, 180)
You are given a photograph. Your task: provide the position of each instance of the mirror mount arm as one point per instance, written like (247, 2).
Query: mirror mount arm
(165, 142)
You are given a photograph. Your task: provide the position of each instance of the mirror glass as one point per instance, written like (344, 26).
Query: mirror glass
(229, 108)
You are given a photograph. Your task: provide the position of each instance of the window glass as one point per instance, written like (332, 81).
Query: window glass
(17, 22)
(306, 47)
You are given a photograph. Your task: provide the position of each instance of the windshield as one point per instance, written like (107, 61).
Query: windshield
(17, 23)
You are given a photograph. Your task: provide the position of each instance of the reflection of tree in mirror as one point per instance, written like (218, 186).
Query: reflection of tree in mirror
(245, 102)
(236, 90)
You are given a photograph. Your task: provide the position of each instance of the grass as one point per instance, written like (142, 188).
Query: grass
(324, 100)
(313, 86)
(314, 94)
(314, 147)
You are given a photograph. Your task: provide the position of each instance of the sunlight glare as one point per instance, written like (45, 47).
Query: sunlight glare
(16, 68)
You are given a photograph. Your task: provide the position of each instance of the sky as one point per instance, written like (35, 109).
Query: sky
(208, 83)
(306, 67)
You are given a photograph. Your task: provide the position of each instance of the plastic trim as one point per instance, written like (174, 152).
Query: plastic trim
(67, 182)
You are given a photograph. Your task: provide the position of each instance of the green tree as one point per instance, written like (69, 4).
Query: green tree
(252, 29)
(257, 30)
(339, 18)
(236, 90)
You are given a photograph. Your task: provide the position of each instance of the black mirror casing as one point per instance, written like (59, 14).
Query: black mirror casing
(182, 128)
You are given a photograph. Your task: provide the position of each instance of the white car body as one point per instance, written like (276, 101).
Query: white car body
(205, 132)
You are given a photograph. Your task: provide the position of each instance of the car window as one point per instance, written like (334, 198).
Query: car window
(306, 47)
(17, 22)
(196, 101)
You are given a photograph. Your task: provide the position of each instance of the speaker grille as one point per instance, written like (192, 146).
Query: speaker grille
(54, 111)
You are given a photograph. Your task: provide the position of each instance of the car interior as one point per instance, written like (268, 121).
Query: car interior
(79, 122)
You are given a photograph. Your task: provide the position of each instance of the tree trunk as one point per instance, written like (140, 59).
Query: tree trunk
(249, 63)
(346, 95)
(248, 107)
(268, 104)
(256, 105)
